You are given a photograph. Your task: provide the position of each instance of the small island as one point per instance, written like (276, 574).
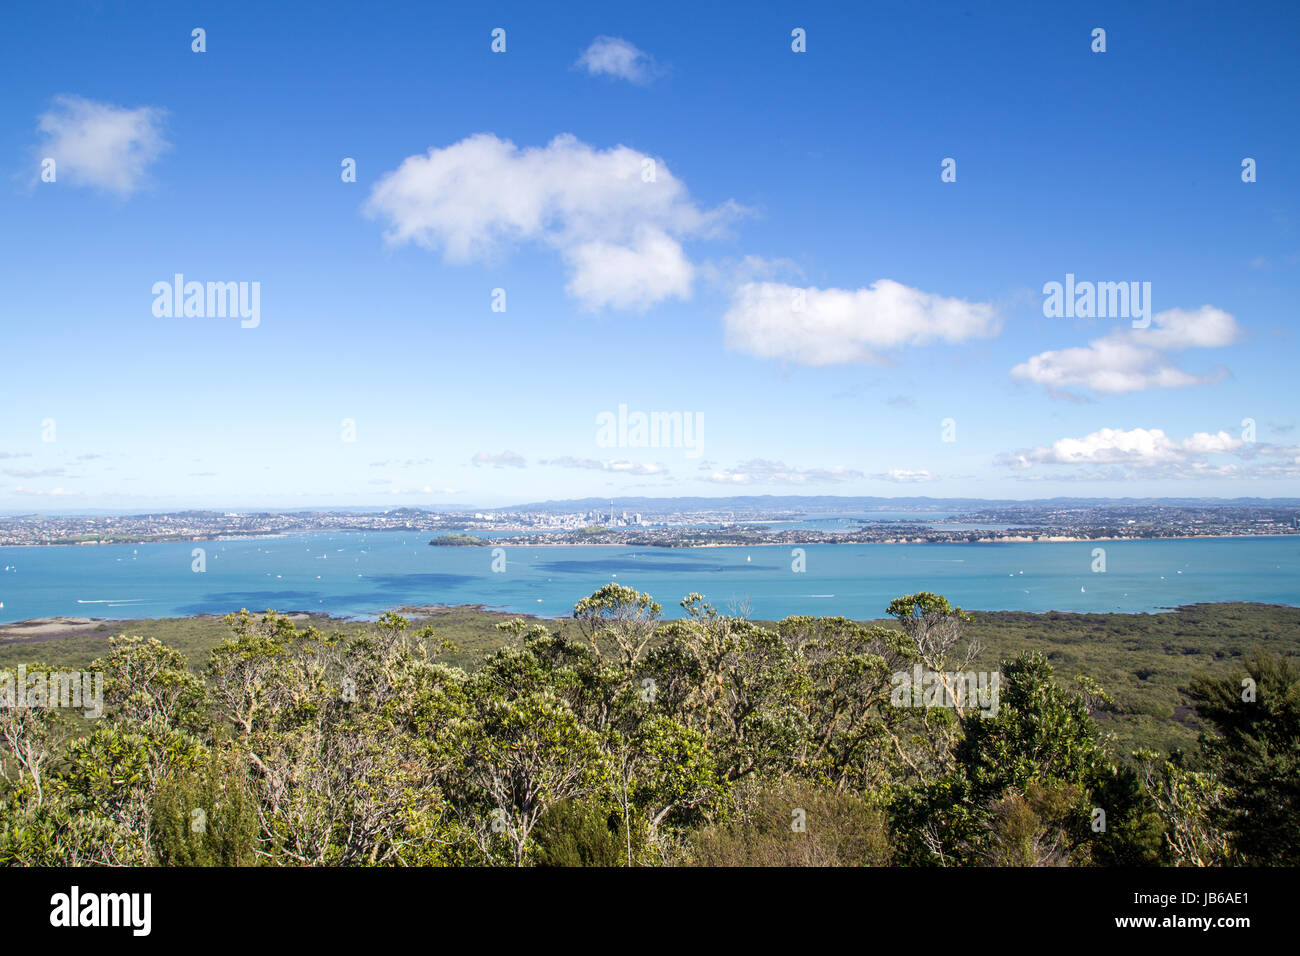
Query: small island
(459, 541)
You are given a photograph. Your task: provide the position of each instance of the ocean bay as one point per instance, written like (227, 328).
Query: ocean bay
(364, 574)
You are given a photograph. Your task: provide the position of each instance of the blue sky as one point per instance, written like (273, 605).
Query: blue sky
(778, 176)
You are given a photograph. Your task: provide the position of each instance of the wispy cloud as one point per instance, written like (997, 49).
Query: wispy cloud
(1132, 360)
(616, 57)
(423, 490)
(1114, 453)
(507, 459)
(763, 471)
(625, 467)
(101, 145)
(904, 476)
(35, 472)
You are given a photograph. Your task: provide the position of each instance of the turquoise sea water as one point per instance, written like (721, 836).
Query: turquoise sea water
(366, 574)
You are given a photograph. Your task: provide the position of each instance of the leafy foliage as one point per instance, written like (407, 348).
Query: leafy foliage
(620, 739)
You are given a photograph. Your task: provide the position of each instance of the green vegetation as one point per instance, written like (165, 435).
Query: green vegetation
(472, 629)
(1145, 661)
(617, 738)
(459, 541)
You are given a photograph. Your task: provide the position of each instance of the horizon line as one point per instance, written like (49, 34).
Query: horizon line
(554, 502)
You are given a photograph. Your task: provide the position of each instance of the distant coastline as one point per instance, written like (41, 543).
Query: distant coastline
(1039, 539)
(961, 538)
(695, 522)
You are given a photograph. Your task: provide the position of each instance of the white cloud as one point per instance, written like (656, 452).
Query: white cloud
(614, 56)
(763, 471)
(422, 490)
(625, 467)
(837, 326)
(634, 276)
(620, 235)
(101, 145)
(507, 459)
(1141, 447)
(1131, 360)
(904, 476)
(35, 472)
(1117, 453)
(727, 274)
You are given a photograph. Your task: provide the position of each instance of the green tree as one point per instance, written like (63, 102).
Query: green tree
(522, 757)
(207, 816)
(1256, 749)
(582, 832)
(1189, 804)
(622, 615)
(145, 680)
(794, 823)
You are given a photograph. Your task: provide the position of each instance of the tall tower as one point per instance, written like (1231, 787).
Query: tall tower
(611, 510)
